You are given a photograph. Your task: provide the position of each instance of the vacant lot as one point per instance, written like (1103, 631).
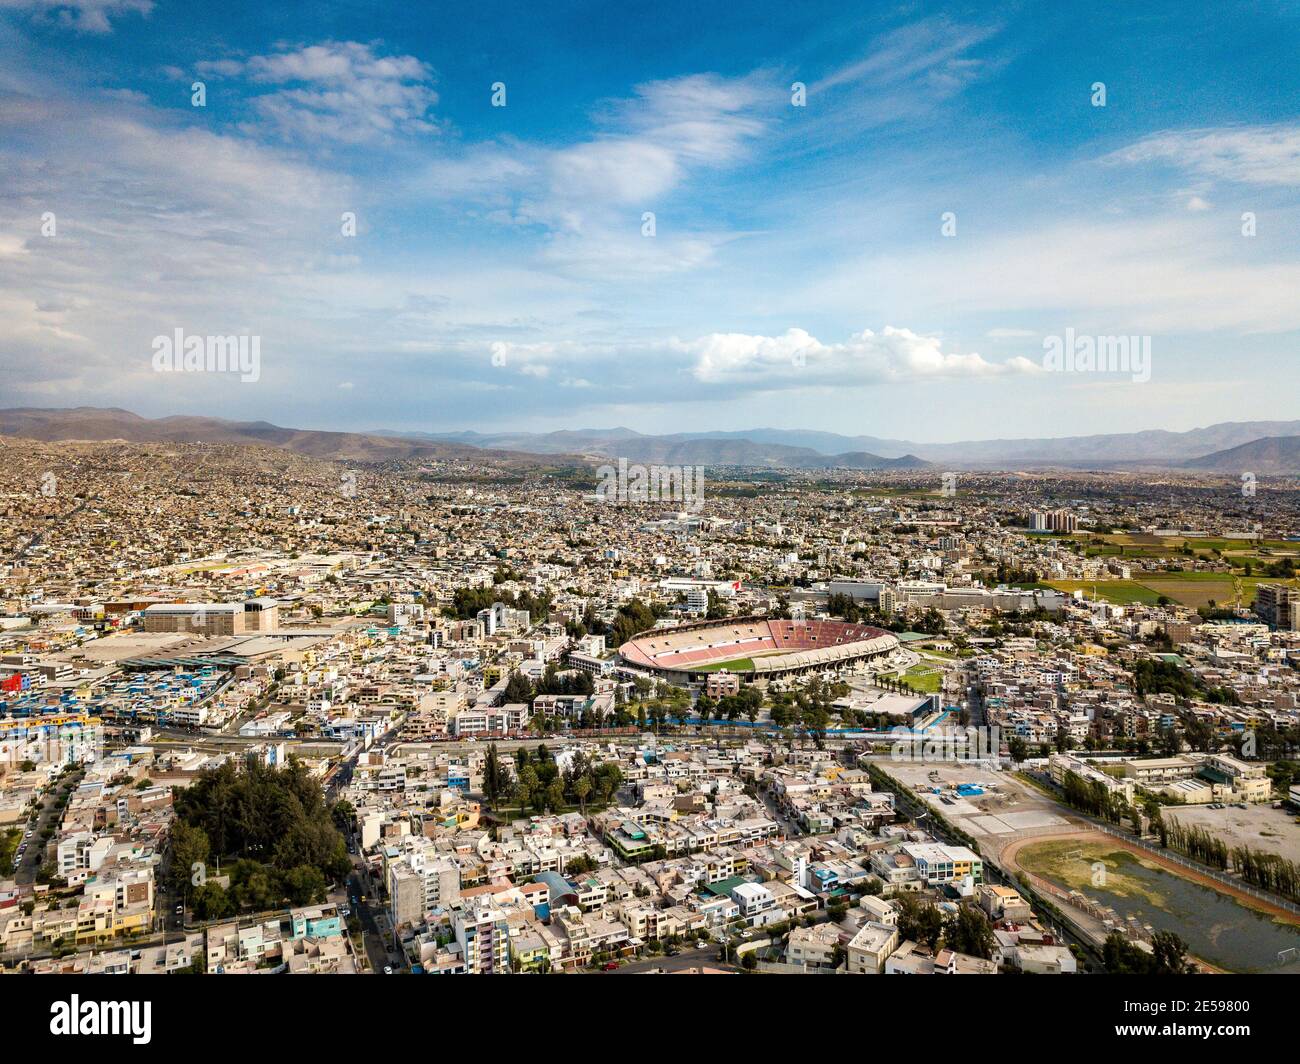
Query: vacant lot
(1260, 827)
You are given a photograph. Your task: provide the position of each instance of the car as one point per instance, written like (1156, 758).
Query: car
(609, 966)
(28, 835)
(345, 912)
(388, 970)
(180, 909)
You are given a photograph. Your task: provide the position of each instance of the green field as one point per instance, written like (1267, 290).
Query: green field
(1071, 863)
(734, 665)
(1118, 592)
(1189, 589)
(924, 679)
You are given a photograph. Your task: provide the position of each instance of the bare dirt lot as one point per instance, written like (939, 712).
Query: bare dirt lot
(1260, 827)
(1005, 809)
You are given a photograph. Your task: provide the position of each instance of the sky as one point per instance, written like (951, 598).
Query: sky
(871, 219)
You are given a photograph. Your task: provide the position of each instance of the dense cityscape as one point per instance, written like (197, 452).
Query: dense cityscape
(443, 717)
(584, 489)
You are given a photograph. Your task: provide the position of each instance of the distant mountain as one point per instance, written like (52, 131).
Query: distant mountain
(93, 423)
(756, 448)
(1127, 449)
(865, 460)
(710, 449)
(792, 447)
(1277, 455)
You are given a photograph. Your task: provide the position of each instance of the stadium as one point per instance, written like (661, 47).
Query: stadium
(754, 648)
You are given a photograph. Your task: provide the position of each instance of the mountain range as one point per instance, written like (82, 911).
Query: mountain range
(1261, 447)
(1210, 447)
(97, 423)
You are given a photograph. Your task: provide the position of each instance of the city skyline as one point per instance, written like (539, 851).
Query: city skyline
(858, 219)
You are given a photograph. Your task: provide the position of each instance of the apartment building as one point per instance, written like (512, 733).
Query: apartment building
(420, 882)
(1274, 603)
(483, 935)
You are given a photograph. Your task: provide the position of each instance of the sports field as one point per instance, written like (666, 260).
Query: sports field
(734, 665)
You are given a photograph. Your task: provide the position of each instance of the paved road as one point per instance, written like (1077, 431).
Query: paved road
(48, 816)
(371, 932)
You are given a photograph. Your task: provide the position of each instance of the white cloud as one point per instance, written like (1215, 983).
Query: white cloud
(931, 51)
(84, 16)
(1249, 155)
(588, 198)
(1177, 274)
(798, 357)
(338, 91)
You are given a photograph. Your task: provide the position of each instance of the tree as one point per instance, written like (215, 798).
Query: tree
(919, 921)
(269, 820)
(492, 777)
(189, 853)
(581, 789)
(528, 786)
(1168, 955)
(304, 885)
(344, 815)
(211, 902)
(518, 689)
(968, 931)
(1017, 748)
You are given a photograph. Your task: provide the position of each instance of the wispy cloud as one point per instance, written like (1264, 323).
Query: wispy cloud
(590, 198)
(84, 16)
(338, 91)
(1247, 155)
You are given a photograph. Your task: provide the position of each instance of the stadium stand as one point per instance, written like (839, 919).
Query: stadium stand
(774, 646)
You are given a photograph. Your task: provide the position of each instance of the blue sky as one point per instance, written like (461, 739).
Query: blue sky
(501, 275)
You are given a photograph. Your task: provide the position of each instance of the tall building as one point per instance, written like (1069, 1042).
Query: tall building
(418, 883)
(484, 938)
(1053, 521)
(888, 601)
(1275, 603)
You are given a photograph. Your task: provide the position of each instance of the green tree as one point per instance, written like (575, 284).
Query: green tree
(581, 790)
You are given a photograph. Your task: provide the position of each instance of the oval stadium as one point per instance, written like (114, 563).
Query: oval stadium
(754, 648)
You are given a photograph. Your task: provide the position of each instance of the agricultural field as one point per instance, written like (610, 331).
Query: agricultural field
(1118, 592)
(1189, 589)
